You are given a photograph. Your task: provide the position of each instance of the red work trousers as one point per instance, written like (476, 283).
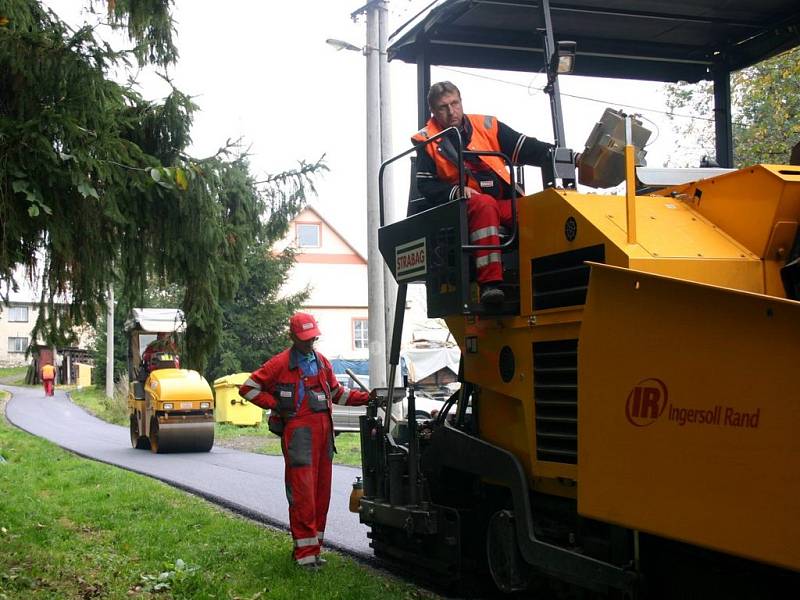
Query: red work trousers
(307, 452)
(484, 216)
(48, 387)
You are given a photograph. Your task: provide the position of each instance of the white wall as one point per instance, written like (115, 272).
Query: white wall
(26, 295)
(15, 329)
(336, 277)
(329, 284)
(336, 326)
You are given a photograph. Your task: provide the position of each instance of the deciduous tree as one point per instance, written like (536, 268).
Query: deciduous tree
(765, 107)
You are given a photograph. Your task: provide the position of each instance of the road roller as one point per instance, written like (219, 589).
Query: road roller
(171, 409)
(627, 421)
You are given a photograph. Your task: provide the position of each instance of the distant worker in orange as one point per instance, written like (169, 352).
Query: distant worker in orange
(48, 379)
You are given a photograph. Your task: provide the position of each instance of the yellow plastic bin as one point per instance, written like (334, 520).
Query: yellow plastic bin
(230, 406)
(84, 375)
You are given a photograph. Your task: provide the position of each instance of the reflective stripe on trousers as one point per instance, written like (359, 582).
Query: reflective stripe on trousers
(302, 543)
(484, 216)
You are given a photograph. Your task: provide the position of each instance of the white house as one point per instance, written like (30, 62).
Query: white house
(16, 321)
(17, 318)
(335, 274)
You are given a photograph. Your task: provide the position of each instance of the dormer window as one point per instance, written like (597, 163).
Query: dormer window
(308, 235)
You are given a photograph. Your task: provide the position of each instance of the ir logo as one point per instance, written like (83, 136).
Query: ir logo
(646, 402)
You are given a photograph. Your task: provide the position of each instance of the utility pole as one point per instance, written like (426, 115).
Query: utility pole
(375, 269)
(382, 290)
(110, 343)
(389, 284)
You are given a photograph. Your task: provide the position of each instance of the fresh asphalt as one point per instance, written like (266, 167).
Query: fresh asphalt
(246, 483)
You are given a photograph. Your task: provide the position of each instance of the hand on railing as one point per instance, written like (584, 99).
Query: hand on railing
(470, 192)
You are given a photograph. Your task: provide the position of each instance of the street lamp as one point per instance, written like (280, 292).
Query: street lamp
(342, 45)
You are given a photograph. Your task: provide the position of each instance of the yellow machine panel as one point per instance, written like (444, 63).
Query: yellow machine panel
(178, 385)
(746, 203)
(689, 405)
(758, 206)
(511, 420)
(672, 239)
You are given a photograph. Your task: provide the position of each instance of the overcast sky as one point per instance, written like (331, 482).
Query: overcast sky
(261, 71)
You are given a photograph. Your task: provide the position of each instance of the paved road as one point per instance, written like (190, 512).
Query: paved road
(250, 484)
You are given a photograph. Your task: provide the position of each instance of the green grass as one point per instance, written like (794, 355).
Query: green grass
(75, 529)
(348, 449)
(226, 431)
(93, 398)
(13, 375)
(253, 439)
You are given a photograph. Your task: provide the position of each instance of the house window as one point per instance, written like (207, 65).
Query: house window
(308, 235)
(360, 333)
(18, 314)
(17, 344)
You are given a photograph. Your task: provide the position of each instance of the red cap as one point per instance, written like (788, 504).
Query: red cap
(303, 326)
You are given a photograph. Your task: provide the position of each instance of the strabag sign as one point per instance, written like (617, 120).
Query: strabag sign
(410, 260)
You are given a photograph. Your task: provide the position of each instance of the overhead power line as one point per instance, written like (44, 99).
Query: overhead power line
(578, 97)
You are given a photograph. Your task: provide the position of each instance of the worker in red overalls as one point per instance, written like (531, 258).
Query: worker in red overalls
(48, 379)
(488, 183)
(298, 386)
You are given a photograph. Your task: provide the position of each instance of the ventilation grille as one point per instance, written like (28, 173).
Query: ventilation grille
(562, 279)
(555, 389)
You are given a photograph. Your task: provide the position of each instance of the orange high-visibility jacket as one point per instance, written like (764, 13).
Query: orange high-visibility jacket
(484, 137)
(48, 372)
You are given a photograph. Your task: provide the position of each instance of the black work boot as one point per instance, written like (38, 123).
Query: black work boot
(492, 294)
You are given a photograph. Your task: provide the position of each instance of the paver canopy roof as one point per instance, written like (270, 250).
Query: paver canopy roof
(156, 320)
(631, 39)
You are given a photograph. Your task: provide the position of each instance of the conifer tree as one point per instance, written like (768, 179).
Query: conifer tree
(97, 187)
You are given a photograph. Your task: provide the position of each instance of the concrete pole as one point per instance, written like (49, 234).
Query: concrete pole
(54, 350)
(375, 268)
(390, 286)
(110, 344)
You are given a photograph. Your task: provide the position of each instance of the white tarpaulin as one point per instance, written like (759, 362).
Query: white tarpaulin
(155, 320)
(422, 362)
(433, 335)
